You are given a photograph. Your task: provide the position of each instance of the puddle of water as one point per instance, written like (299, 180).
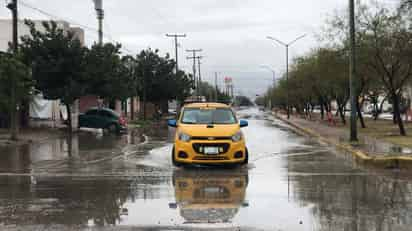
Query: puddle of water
(305, 189)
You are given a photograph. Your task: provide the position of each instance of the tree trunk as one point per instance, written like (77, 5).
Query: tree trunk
(375, 112)
(394, 114)
(14, 125)
(124, 105)
(397, 114)
(144, 109)
(70, 145)
(380, 109)
(322, 112)
(131, 109)
(327, 108)
(14, 114)
(69, 119)
(342, 114)
(164, 106)
(360, 115)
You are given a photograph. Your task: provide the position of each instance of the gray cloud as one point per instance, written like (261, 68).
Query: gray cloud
(231, 32)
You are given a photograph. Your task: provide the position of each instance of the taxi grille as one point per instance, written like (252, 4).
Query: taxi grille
(211, 158)
(223, 147)
(211, 138)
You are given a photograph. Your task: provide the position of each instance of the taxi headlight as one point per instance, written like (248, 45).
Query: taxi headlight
(237, 137)
(184, 137)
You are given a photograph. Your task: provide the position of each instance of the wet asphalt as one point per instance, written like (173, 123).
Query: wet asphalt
(292, 182)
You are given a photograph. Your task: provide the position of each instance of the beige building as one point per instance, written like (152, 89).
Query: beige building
(6, 31)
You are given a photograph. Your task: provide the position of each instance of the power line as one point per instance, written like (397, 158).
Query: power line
(200, 73)
(109, 37)
(55, 16)
(176, 36)
(193, 51)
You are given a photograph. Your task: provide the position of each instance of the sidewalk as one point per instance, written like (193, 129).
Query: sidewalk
(30, 136)
(370, 150)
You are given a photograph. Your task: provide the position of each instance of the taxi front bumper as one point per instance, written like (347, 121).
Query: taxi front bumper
(193, 152)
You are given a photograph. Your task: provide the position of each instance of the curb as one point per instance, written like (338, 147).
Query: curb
(403, 162)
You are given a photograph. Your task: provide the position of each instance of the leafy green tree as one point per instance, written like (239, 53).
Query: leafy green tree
(243, 101)
(109, 75)
(15, 86)
(57, 61)
(210, 92)
(181, 86)
(157, 81)
(389, 40)
(260, 101)
(207, 90)
(148, 62)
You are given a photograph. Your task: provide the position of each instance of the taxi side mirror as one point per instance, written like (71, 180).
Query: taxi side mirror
(172, 205)
(243, 123)
(172, 123)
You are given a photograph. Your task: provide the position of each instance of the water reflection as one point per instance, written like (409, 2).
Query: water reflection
(209, 196)
(356, 202)
(82, 147)
(70, 200)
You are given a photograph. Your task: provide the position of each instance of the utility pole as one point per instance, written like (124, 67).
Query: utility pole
(216, 88)
(287, 45)
(194, 68)
(176, 36)
(14, 126)
(352, 73)
(200, 73)
(98, 5)
(12, 6)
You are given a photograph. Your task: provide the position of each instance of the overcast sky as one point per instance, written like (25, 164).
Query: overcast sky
(230, 32)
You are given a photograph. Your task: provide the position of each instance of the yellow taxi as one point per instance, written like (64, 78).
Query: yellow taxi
(212, 197)
(208, 133)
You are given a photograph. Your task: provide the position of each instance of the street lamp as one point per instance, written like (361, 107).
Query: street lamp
(274, 82)
(98, 6)
(352, 73)
(287, 45)
(273, 73)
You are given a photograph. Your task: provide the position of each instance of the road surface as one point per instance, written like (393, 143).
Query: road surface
(128, 183)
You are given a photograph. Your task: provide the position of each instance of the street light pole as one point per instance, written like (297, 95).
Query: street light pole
(274, 82)
(216, 89)
(273, 74)
(98, 5)
(287, 45)
(287, 81)
(12, 6)
(352, 73)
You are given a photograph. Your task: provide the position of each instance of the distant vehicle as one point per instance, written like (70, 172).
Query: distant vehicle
(195, 99)
(103, 118)
(208, 133)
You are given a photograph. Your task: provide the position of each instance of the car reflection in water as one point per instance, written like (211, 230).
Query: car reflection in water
(205, 196)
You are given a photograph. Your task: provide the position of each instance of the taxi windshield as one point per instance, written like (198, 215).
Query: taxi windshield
(208, 116)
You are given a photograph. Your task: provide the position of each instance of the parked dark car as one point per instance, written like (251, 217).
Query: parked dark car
(104, 118)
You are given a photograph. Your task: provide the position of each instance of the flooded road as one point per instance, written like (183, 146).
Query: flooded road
(293, 183)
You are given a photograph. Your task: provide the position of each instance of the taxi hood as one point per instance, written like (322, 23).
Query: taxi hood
(204, 130)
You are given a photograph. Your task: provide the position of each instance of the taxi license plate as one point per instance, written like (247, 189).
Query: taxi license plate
(211, 150)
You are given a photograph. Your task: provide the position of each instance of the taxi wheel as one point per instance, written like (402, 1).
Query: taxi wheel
(174, 162)
(246, 161)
